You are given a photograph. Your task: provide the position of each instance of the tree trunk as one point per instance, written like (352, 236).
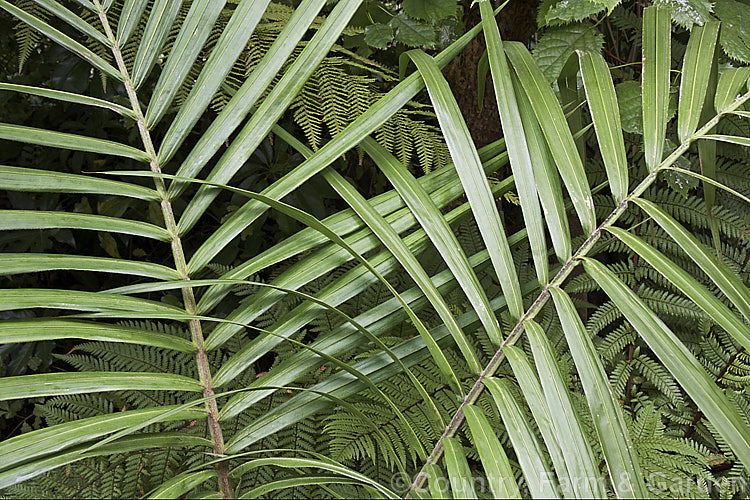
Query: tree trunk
(517, 21)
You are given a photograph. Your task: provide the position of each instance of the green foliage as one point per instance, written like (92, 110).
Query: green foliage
(340, 89)
(559, 14)
(411, 32)
(735, 34)
(553, 13)
(323, 346)
(667, 459)
(27, 38)
(413, 23)
(430, 11)
(556, 46)
(687, 14)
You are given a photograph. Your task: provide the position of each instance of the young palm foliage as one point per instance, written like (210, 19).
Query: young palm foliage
(494, 355)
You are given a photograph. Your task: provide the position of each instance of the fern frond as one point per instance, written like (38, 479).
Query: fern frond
(27, 37)
(615, 341)
(659, 377)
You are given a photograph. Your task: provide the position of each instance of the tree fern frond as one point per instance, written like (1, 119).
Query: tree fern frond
(654, 373)
(27, 37)
(619, 377)
(614, 342)
(131, 47)
(605, 315)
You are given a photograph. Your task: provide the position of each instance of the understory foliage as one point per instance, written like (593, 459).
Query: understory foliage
(249, 249)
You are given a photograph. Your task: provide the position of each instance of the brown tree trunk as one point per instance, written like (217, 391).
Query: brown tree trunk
(517, 21)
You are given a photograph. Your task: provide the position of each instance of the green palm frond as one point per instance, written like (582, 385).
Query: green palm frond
(399, 312)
